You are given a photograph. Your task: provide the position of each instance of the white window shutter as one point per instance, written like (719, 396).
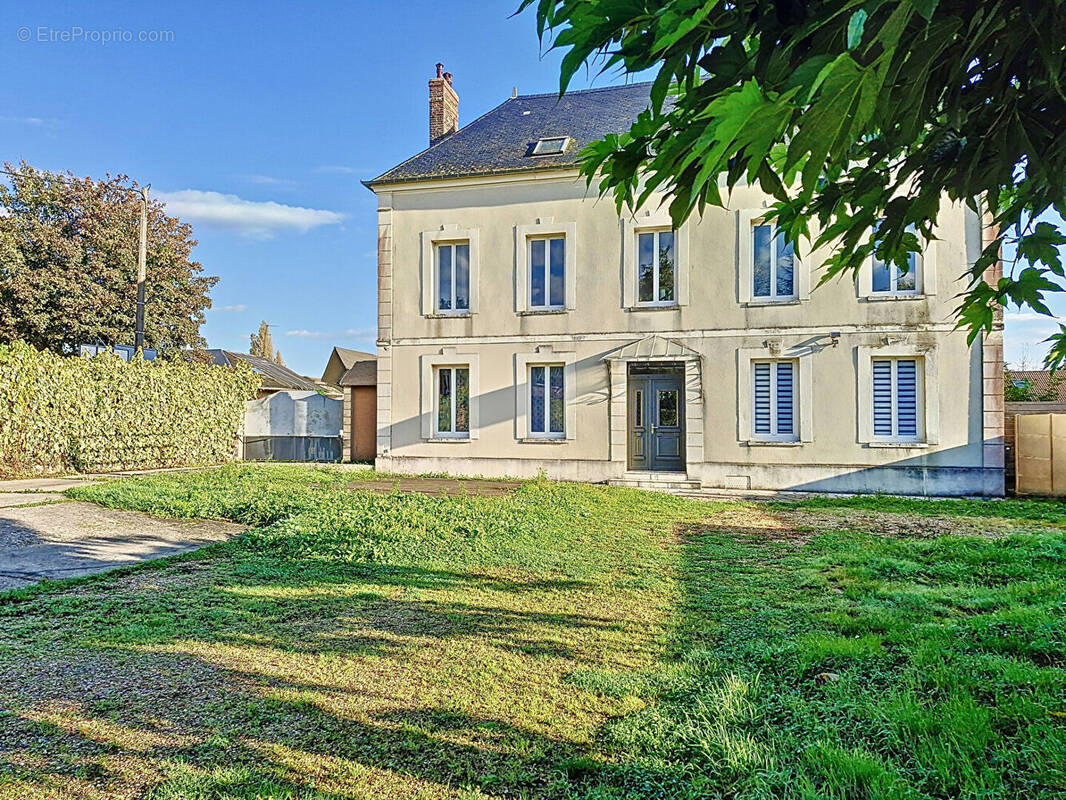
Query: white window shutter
(762, 397)
(907, 398)
(785, 398)
(882, 396)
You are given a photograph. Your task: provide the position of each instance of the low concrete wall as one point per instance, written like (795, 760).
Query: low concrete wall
(945, 481)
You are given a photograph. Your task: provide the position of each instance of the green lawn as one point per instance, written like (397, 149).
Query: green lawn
(566, 641)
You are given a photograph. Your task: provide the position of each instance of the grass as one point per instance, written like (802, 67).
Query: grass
(567, 641)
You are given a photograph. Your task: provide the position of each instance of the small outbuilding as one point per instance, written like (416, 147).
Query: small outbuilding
(356, 374)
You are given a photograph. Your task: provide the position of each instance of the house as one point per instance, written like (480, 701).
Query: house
(276, 377)
(1037, 385)
(524, 326)
(356, 373)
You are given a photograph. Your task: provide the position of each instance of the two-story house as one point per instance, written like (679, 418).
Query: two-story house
(525, 327)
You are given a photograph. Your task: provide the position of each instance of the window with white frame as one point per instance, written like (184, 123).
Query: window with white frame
(452, 277)
(773, 397)
(547, 272)
(656, 273)
(890, 278)
(897, 389)
(773, 268)
(453, 402)
(547, 401)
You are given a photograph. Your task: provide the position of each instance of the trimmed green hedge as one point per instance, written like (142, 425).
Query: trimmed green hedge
(68, 414)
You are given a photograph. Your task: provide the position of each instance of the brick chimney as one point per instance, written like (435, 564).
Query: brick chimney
(443, 106)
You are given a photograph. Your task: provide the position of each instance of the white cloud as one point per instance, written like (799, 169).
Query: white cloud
(362, 334)
(335, 169)
(248, 217)
(238, 307)
(265, 180)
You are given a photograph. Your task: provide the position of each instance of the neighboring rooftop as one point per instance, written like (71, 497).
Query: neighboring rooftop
(349, 358)
(503, 140)
(275, 376)
(351, 368)
(362, 373)
(1039, 381)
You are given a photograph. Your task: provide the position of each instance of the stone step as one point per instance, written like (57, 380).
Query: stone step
(665, 482)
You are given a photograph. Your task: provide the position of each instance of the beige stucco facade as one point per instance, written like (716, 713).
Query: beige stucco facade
(710, 337)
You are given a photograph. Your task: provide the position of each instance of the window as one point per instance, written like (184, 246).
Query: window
(547, 272)
(668, 409)
(453, 402)
(453, 277)
(655, 268)
(551, 146)
(449, 271)
(895, 399)
(773, 268)
(891, 279)
(547, 406)
(774, 400)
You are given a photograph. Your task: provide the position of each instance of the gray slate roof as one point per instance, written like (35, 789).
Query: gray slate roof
(274, 375)
(502, 140)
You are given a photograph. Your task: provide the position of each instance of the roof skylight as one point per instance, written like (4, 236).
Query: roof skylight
(551, 146)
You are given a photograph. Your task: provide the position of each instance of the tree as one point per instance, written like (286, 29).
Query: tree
(262, 344)
(856, 116)
(68, 265)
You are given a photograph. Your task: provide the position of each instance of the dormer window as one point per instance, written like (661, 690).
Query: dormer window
(552, 146)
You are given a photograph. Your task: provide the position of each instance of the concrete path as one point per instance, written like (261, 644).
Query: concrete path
(69, 538)
(45, 484)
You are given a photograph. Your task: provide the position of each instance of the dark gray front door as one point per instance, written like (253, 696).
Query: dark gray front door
(656, 423)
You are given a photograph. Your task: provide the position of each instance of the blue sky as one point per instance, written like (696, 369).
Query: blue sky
(257, 121)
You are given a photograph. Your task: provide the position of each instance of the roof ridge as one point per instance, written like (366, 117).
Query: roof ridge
(585, 91)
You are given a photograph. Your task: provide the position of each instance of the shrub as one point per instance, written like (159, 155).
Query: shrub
(65, 414)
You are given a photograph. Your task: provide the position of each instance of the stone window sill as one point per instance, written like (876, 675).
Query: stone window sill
(667, 307)
(448, 439)
(542, 440)
(882, 298)
(530, 312)
(898, 445)
(449, 315)
(773, 443)
(791, 301)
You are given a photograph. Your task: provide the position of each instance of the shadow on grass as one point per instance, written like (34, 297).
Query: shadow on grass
(190, 674)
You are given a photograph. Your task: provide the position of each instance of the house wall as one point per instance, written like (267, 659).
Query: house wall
(714, 321)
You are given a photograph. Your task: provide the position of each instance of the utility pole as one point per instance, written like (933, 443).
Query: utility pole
(142, 269)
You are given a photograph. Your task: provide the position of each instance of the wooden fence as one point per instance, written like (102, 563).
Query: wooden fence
(1040, 454)
(1012, 410)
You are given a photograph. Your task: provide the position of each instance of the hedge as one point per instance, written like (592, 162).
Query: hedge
(68, 414)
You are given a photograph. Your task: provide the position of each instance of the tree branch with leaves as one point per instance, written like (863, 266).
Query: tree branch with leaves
(861, 117)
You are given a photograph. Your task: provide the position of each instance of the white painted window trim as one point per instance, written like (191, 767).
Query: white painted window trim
(544, 355)
(804, 394)
(928, 392)
(447, 234)
(543, 228)
(747, 219)
(447, 357)
(645, 222)
(925, 264)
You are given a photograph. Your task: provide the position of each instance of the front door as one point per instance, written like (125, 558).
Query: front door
(656, 423)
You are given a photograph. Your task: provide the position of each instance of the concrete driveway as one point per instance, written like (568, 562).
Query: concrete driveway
(44, 535)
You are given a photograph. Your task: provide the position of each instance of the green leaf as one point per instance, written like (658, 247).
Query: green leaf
(855, 28)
